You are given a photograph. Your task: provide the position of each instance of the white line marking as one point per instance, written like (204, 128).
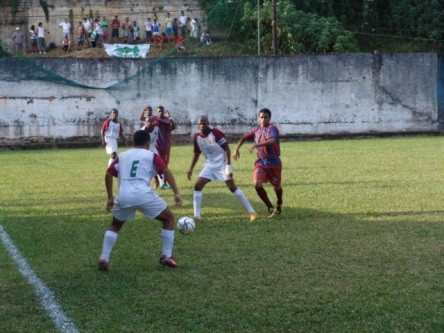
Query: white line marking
(61, 321)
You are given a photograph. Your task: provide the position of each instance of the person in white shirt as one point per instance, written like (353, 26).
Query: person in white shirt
(147, 117)
(212, 143)
(134, 168)
(148, 30)
(41, 38)
(109, 133)
(66, 29)
(183, 23)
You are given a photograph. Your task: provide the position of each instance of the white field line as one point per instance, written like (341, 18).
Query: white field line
(46, 297)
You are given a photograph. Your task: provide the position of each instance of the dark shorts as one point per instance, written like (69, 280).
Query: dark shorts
(41, 42)
(149, 34)
(115, 33)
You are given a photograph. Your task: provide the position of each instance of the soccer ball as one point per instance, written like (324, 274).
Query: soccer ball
(186, 225)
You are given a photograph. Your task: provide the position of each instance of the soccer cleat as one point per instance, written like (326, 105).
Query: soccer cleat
(170, 262)
(272, 212)
(253, 216)
(196, 219)
(165, 187)
(103, 266)
(279, 209)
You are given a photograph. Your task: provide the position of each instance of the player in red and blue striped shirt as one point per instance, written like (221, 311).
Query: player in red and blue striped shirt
(268, 166)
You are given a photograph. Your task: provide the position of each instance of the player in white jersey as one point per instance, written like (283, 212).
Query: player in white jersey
(109, 133)
(147, 117)
(212, 143)
(134, 169)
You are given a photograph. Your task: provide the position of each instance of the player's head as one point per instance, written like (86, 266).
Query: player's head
(160, 110)
(203, 124)
(149, 109)
(264, 117)
(141, 138)
(114, 114)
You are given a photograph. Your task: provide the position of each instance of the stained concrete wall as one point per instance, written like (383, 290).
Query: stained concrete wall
(47, 100)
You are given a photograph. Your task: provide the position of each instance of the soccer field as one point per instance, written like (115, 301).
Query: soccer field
(358, 247)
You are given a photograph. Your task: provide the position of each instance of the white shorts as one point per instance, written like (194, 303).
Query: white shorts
(213, 173)
(150, 209)
(111, 146)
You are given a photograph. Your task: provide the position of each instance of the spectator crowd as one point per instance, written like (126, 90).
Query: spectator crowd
(94, 32)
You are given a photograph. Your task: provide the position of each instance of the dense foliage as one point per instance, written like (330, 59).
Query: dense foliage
(320, 26)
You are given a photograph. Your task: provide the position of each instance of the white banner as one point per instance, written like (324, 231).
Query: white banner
(127, 51)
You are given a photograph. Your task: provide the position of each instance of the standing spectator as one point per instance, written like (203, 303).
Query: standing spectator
(175, 28)
(105, 27)
(109, 133)
(169, 28)
(268, 166)
(19, 41)
(66, 29)
(41, 38)
(66, 45)
(135, 29)
(98, 33)
(163, 144)
(80, 36)
(183, 19)
(33, 39)
(126, 26)
(195, 29)
(134, 170)
(148, 30)
(115, 25)
(212, 143)
(156, 28)
(87, 26)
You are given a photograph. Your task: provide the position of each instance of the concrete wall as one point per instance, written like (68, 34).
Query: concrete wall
(47, 100)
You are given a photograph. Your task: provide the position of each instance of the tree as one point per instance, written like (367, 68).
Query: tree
(298, 32)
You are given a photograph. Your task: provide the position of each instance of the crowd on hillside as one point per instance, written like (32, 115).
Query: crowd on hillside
(93, 32)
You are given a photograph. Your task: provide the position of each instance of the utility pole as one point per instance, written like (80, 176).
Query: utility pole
(258, 28)
(273, 27)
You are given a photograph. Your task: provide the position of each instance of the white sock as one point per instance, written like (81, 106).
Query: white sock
(167, 242)
(197, 203)
(243, 199)
(108, 243)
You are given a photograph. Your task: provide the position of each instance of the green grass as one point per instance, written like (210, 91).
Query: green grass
(358, 248)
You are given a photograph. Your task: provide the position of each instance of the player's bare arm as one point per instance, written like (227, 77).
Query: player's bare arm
(193, 164)
(236, 153)
(170, 179)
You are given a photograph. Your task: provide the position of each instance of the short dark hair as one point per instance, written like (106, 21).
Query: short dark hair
(141, 137)
(265, 110)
